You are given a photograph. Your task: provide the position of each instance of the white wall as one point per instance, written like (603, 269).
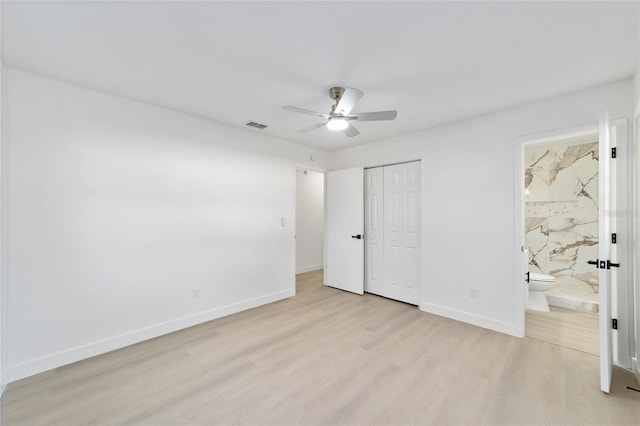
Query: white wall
(636, 149)
(118, 209)
(637, 75)
(3, 311)
(636, 257)
(468, 199)
(309, 221)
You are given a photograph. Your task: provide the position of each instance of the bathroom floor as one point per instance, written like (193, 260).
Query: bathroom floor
(572, 293)
(565, 327)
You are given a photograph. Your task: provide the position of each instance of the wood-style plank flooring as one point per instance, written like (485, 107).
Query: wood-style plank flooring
(327, 357)
(564, 327)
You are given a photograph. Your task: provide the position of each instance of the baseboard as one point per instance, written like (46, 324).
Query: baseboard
(309, 268)
(635, 365)
(58, 359)
(477, 320)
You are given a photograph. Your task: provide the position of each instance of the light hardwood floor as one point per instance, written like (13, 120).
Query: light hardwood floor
(328, 357)
(564, 327)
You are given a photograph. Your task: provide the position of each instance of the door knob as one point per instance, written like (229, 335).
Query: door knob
(600, 264)
(357, 237)
(612, 265)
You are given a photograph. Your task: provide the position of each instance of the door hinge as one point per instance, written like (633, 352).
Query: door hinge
(614, 323)
(614, 238)
(613, 152)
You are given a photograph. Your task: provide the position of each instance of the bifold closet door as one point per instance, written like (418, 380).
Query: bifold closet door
(392, 221)
(373, 234)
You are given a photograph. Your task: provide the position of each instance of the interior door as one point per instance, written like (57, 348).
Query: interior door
(373, 219)
(392, 217)
(344, 255)
(401, 219)
(604, 252)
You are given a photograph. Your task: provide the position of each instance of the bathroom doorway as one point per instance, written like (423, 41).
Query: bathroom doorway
(561, 210)
(554, 223)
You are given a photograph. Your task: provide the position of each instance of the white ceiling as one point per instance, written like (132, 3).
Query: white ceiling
(434, 62)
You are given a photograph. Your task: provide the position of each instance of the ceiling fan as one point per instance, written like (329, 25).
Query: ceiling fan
(340, 116)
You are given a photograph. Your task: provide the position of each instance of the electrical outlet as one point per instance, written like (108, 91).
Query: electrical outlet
(474, 293)
(196, 292)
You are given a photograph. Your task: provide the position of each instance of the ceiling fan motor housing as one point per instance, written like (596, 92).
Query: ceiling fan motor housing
(335, 93)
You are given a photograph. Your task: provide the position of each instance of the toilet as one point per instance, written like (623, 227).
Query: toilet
(538, 284)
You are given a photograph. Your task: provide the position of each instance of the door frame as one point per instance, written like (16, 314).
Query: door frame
(622, 345)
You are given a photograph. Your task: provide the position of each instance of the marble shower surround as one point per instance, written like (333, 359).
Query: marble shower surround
(561, 213)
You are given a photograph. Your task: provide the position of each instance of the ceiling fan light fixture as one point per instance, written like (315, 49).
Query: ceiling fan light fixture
(337, 123)
(340, 115)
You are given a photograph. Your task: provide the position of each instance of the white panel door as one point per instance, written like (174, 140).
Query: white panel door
(392, 239)
(344, 267)
(604, 253)
(373, 219)
(410, 232)
(393, 216)
(401, 222)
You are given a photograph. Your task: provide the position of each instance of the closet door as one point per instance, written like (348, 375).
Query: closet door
(410, 233)
(401, 236)
(373, 234)
(392, 221)
(393, 231)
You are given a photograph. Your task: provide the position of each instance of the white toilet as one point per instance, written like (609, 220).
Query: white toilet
(538, 284)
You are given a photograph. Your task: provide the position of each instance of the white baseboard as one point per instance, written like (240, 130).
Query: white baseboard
(68, 356)
(635, 365)
(303, 269)
(477, 320)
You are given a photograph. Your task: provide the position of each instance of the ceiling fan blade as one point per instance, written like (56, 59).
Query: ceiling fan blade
(374, 116)
(305, 111)
(351, 131)
(310, 128)
(349, 99)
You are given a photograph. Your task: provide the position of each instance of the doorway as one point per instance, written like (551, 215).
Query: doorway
(561, 214)
(309, 220)
(615, 344)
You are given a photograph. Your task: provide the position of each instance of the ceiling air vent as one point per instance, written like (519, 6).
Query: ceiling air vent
(256, 125)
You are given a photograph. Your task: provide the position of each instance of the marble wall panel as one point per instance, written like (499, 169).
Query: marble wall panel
(537, 238)
(561, 210)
